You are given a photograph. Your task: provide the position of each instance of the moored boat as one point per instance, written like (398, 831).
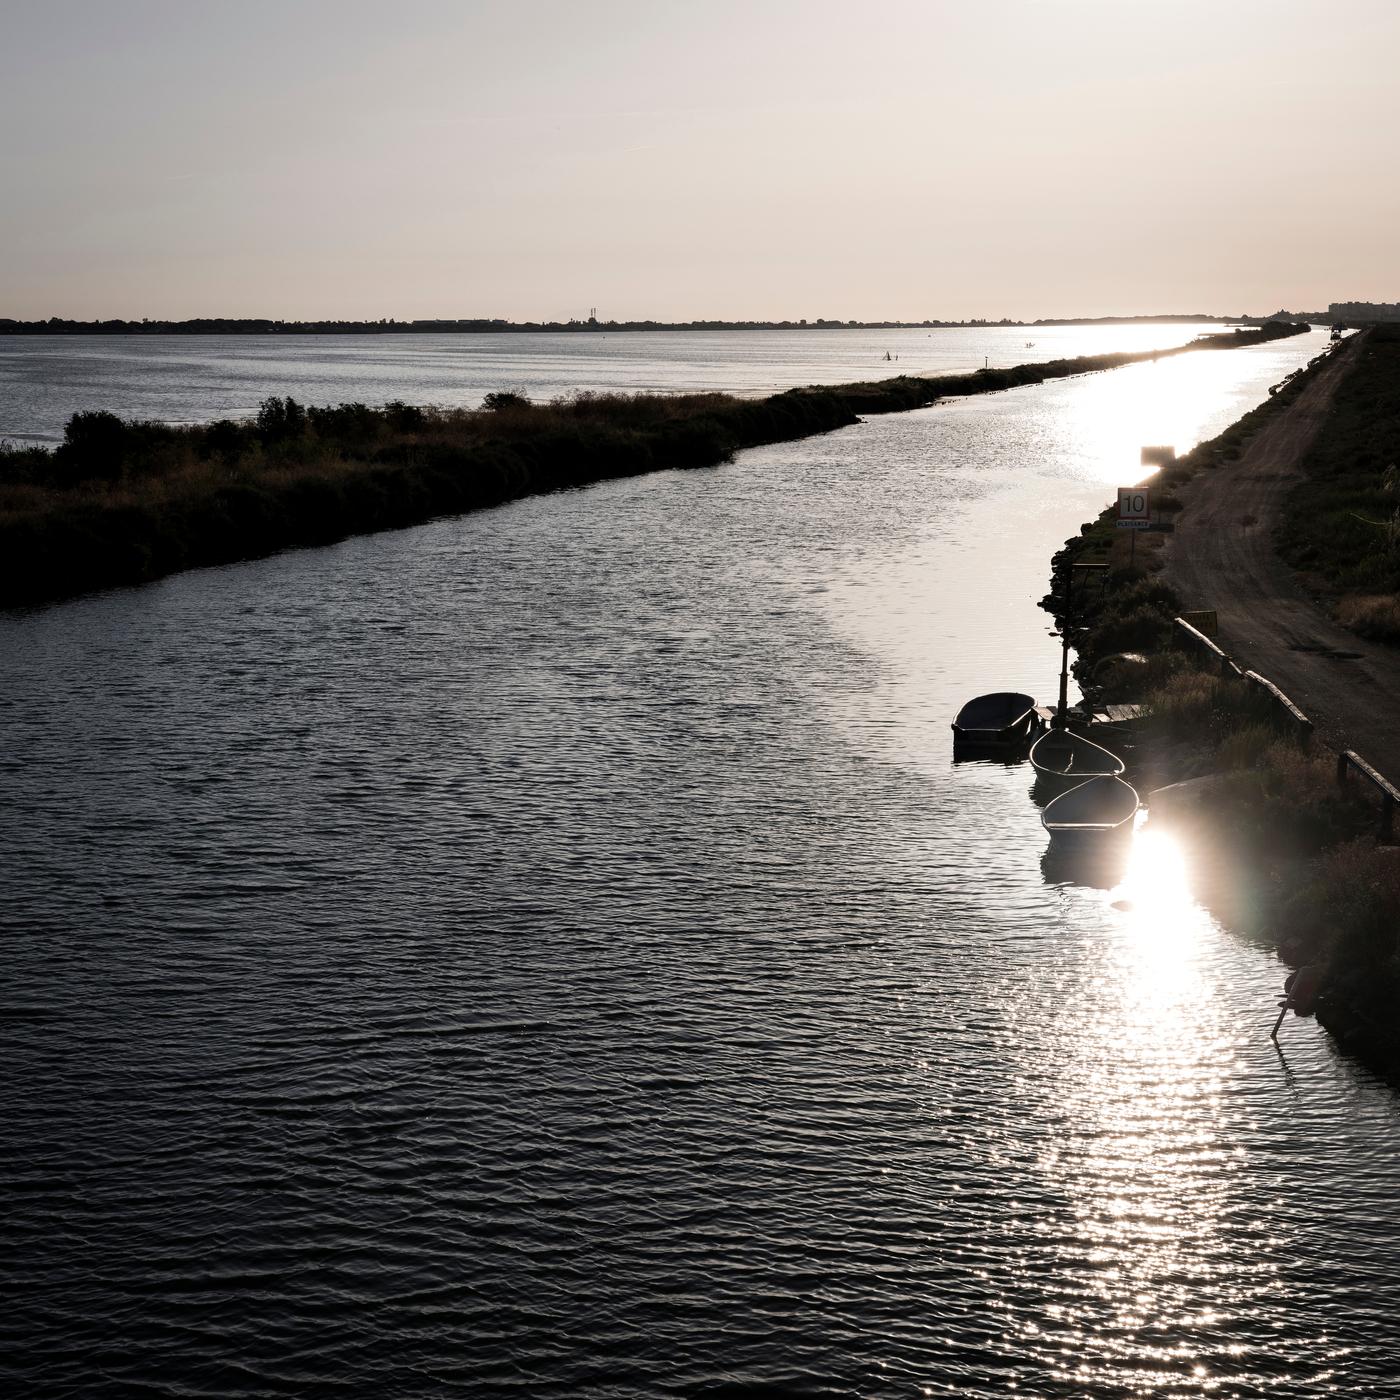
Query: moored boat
(1102, 806)
(1000, 720)
(1062, 756)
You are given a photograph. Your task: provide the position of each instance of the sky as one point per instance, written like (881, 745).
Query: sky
(708, 159)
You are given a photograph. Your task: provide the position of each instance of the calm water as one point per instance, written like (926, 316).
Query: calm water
(184, 379)
(552, 953)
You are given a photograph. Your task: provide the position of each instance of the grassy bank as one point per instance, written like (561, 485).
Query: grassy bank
(1341, 525)
(1295, 857)
(125, 502)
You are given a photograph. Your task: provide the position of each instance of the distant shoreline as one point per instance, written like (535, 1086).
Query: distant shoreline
(482, 326)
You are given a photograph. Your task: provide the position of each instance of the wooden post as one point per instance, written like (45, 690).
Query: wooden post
(1060, 721)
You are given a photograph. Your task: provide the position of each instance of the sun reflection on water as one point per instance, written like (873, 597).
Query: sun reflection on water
(1163, 923)
(1146, 1159)
(1167, 401)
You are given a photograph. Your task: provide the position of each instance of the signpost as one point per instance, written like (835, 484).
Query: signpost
(1134, 513)
(1134, 509)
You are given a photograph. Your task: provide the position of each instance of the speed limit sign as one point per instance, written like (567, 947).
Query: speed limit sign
(1134, 512)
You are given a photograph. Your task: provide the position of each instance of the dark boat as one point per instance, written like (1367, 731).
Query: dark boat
(1062, 757)
(1103, 806)
(998, 721)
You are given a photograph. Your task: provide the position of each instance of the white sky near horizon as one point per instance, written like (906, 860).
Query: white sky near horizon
(711, 159)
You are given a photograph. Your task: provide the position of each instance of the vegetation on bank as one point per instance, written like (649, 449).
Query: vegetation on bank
(124, 502)
(1304, 865)
(1341, 524)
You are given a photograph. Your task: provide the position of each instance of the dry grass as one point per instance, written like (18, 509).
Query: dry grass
(1249, 746)
(1184, 701)
(1350, 907)
(1372, 615)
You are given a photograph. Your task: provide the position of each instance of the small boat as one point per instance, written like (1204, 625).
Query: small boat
(999, 720)
(1063, 756)
(1103, 806)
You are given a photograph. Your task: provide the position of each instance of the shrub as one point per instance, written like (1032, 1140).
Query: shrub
(1372, 615)
(404, 417)
(345, 423)
(1184, 703)
(94, 446)
(280, 420)
(223, 440)
(24, 465)
(1289, 806)
(1351, 904)
(99, 446)
(1246, 747)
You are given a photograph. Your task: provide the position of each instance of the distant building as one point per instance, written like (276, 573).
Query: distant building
(1364, 311)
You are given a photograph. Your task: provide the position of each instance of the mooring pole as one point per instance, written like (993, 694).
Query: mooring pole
(1060, 722)
(1064, 677)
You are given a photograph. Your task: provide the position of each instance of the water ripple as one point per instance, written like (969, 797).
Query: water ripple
(551, 953)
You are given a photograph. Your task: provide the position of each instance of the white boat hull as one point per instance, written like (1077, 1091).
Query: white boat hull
(1102, 806)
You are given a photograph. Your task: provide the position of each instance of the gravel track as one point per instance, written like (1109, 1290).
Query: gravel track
(1222, 556)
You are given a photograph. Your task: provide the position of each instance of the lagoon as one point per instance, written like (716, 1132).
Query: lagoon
(552, 952)
(196, 379)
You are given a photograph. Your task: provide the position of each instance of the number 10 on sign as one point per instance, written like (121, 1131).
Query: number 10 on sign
(1134, 513)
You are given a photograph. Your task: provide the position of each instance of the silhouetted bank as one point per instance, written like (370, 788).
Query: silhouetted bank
(126, 502)
(1288, 854)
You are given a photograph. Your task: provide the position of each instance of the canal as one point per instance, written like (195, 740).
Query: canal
(551, 952)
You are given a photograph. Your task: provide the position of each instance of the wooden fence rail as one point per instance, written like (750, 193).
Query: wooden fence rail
(1303, 724)
(1349, 762)
(1201, 642)
(1193, 637)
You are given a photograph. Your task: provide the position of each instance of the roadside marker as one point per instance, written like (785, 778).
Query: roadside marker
(1134, 513)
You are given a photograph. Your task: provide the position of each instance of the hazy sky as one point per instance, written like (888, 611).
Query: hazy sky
(704, 158)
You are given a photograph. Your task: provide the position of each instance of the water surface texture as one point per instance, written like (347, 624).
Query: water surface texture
(552, 953)
(195, 379)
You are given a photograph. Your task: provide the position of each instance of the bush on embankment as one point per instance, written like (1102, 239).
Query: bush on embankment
(124, 502)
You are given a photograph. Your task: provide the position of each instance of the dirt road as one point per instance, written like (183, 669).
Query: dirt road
(1222, 557)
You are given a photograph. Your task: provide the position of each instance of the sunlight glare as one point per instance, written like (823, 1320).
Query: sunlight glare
(1164, 402)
